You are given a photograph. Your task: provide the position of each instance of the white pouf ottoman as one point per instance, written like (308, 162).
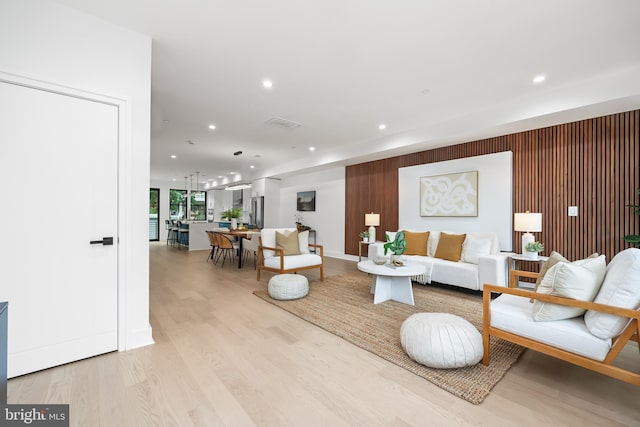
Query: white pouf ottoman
(441, 340)
(288, 286)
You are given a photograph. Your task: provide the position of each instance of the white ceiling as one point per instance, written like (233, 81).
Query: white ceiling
(342, 67)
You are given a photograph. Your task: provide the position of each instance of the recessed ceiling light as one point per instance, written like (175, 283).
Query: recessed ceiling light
(173, 179)
(268, 84)
(382, 126)
(251, 166)
(312, 148)
(173, 156)
(212, 127)
(538, 79)
(220, 176)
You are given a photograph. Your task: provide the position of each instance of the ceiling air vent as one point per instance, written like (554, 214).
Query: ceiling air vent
(282, 123)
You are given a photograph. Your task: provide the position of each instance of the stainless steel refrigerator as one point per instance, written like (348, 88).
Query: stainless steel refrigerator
(256, 215)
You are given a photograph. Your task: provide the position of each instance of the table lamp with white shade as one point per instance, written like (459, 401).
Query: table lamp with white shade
(372, 220)
(527, 222)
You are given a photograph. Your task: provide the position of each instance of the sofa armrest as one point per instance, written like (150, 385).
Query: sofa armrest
(493, 269)
(319, 248)
(587, 305)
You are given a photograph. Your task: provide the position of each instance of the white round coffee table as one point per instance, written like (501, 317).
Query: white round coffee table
(392, 283)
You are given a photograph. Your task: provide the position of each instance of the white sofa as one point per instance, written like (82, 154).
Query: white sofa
(480, 264)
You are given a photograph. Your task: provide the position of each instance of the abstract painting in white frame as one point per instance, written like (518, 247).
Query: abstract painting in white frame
(454, 194)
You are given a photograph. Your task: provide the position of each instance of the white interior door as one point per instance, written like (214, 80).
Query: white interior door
(59, 184)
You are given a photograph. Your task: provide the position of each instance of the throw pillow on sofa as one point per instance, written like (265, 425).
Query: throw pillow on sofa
(474, 247)
(450, 246)
(416, 243)
(289, 242)
(554, 258)
(580, 280)
(620, 288)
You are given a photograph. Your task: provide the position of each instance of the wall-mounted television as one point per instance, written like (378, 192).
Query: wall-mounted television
(306, 201)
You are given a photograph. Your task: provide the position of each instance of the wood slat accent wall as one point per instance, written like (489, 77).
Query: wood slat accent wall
(592, 164)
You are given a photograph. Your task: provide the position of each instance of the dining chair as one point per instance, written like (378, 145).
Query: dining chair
(250, 246)
(214, 245)
(226, 247)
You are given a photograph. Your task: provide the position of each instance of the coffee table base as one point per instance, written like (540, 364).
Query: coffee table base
(396, 288)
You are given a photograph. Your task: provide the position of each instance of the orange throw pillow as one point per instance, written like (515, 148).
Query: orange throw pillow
(450, 246)
(416, 243)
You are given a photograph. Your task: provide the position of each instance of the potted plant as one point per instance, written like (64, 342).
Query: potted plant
(232, 214)
(397, 247)
(364, 235)
(533, 248)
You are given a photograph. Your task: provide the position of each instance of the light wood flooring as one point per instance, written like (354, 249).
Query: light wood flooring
(224, 357)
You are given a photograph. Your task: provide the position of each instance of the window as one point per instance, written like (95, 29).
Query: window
(178, 204)
(154, 229)
(198, 206)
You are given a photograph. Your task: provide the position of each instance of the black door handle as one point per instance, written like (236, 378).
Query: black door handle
(106, 241)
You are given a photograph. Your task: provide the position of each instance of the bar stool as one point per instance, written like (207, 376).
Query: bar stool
(174, 232)
(168, 225)
(183, 234)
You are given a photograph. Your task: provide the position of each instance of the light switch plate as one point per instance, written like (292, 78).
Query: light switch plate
(573, 211)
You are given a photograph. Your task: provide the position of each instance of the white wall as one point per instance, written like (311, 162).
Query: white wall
(48, 42)
(328, 218)
(494, 196)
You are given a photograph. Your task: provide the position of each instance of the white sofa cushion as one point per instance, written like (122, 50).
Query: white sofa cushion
(620, 288)
(578, 280)
(293, 261)
(474, 247)
(513, 314)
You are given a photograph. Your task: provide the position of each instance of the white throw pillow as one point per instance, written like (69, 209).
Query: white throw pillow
(303, 241)
(473, 247)
(432, 244)
(621, 288)
(578, 280)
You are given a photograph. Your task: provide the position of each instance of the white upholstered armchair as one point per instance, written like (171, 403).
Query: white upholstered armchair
(285, 250)
(585, 331)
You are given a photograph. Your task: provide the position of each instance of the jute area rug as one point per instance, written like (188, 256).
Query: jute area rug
(343, 305)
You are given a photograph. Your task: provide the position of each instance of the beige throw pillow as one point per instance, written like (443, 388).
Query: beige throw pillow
(290, 242)
(579, 280)
(450, 246)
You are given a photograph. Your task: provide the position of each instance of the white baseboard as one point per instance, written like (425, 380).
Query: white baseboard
(139, 338)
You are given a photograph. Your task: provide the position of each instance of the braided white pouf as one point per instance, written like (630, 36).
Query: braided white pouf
(288, 286)
(441, 340)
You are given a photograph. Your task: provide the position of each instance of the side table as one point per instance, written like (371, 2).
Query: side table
(514, 262)
(365, 243)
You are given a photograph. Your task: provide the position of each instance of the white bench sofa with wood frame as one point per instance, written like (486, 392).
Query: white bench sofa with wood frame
(592, 340)
(272, 257)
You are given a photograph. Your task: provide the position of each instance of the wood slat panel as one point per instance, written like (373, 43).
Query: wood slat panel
(592, 164)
